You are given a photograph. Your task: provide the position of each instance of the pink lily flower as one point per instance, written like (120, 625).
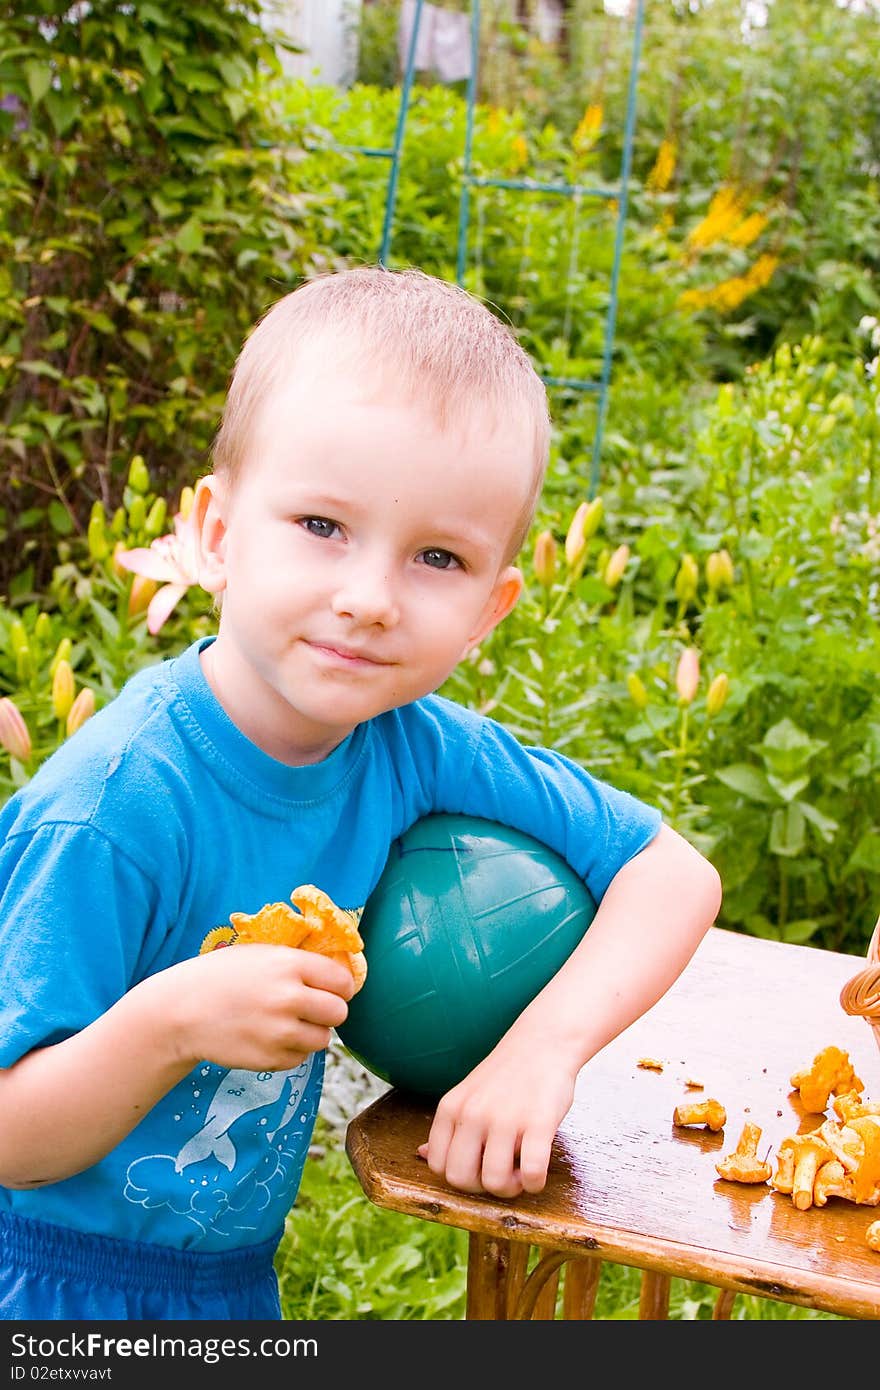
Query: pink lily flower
(171, 561)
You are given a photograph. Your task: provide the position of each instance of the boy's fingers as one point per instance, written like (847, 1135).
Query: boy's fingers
(321, 972)
(499, 1171)
(534, 1161)
(464, 1160)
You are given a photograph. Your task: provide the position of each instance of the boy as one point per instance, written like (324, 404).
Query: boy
(375, 473)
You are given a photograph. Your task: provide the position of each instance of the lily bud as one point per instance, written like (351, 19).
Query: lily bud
(637, 692)
(62, 653)
(584, 525)
(576, 540)
(137, 513)
(42, 626)
(63, 689)
(544, 559)
(717, 693)
(592, 517)
(14, 736)
(138, 475)
(82, 709)
(156, 517)
(687, 676)
(18, 638)
(97, 537)
(687, 579)
(616, 566)
(187, 497)
(142, 591)
(119, 549)
(23, 663)
(719, 570)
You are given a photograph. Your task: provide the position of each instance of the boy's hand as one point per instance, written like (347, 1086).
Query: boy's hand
(255, 1007)
(493, 1131)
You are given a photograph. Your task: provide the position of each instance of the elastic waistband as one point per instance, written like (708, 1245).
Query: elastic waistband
(61, 1251)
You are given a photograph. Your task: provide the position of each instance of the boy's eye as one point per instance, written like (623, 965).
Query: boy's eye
(440, 559)
(318, 526)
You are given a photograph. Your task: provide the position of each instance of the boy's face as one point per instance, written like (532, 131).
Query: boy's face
(360, 554)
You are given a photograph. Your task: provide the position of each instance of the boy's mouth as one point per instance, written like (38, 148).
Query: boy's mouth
(350, 655)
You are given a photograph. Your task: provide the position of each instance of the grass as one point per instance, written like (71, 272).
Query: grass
(342, 1258)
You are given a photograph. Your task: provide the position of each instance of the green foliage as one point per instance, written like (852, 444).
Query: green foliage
(785, 117)
(779, 785)
(544, 261)
(145, 222)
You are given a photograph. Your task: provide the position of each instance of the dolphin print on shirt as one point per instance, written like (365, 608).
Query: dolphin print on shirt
(240, 1093)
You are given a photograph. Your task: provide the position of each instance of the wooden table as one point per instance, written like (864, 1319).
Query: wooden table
(626, 1186)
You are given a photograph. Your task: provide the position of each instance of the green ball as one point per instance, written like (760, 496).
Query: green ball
(467, 923)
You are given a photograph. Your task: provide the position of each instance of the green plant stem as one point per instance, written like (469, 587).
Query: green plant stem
(680, 759)
(784, 898)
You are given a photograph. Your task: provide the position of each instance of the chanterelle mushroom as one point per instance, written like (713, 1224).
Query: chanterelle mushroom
(710, 1113)
(831, 1073)
(743, 1165)
(799, 1159)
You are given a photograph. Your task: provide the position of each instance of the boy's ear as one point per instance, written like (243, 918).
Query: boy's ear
(505, 597)
(209, 515)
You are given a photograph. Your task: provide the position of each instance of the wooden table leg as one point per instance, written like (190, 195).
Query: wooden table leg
(537, 1301)
(580, 1288)
(495, 1276)
(723, 1305)
(654, 1302)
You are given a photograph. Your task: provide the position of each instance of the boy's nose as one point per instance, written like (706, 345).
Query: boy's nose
(366, 598)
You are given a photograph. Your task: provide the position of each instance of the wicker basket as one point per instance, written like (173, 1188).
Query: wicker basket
(861, 995)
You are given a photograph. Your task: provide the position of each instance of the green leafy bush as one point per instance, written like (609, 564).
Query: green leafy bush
(146, 220)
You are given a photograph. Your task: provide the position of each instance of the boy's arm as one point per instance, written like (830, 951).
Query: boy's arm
(259, 1008)
(494, 1130)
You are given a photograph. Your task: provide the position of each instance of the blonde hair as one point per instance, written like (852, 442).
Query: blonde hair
(438, 343)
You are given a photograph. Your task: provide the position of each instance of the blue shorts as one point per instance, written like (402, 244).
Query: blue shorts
(51, 1272)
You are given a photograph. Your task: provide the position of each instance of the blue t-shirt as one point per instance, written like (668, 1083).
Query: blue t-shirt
(159, 819)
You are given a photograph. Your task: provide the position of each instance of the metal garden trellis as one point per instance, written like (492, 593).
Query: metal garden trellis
(618, 193)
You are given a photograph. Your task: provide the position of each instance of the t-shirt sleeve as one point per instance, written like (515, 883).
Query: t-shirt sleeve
(594, 826)
(75, 920)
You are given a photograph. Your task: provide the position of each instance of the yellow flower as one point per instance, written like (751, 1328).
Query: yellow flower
(63, 689)
(82, 709)
(687, 676)
(660, 176)
(589, 128)
(748, 230)
(729, 294)
(519, 154)
(14, 736)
